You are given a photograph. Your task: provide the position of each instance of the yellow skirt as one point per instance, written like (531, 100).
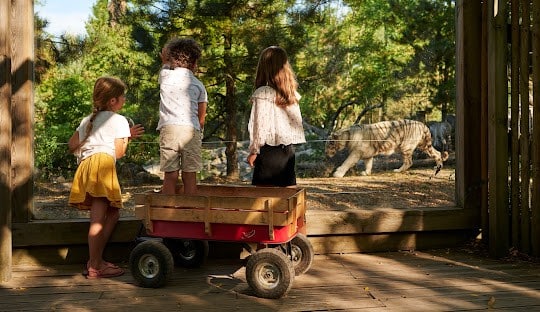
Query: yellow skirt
(95, 177)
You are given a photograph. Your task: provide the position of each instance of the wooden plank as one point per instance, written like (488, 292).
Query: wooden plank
(207, 229)
(218, 216)
(68, 232)
(499, 224)
(246, 203)
(5, 142)
(383, 242)
(390, 220)
(535, 172)
(68, 254)
(456, 290)
(467, 302)
(249, 191)
(484, 204)
(525, 88)
(22, 71)
(160, 200)
(334, 298)
(468, 132)
(243, 191)
(270, 220)
(514, 123)
(222, 202)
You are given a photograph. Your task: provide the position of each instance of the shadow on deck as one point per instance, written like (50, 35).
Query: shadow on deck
(435, 280)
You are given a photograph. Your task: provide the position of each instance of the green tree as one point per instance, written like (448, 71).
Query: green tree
(61, 97)
(64, 93)
(60, 101)
(232, 33)
(358, 64)
(430, 30)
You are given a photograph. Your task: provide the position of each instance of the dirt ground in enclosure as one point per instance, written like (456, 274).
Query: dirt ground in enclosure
(415, 188)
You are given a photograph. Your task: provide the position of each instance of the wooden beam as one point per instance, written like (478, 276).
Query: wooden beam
(514, 123)
(68, 254)
(390, 221)
(535, 207)
(319, 223)
(68, 232)
(388, 241)
(5, 143)
(484, 121)
(22, 109)
(499, 224)
(469, 140)
(525, 225)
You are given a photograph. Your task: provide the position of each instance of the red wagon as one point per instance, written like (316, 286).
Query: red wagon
(269, 221)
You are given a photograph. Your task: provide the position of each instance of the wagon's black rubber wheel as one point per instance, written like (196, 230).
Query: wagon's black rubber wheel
(188, 253)
(301, 254)
(151, 264)
(270, 273)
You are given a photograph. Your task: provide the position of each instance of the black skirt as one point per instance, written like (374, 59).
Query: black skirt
(274, 166)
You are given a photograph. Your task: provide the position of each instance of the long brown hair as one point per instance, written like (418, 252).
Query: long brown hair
(274, 70)
(105, 89)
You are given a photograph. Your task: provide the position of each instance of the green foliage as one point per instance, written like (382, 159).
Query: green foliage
(64, 96)
(61, 103)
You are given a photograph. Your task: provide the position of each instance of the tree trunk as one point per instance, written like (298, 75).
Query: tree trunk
(233, 172)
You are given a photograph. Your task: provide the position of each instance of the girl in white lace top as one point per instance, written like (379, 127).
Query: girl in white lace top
(275, 123)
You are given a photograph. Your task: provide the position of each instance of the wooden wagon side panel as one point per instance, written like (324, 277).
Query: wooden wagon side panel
(217, 216)
(225, 206)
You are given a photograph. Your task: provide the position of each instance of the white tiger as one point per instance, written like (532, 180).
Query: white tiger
(382, 138)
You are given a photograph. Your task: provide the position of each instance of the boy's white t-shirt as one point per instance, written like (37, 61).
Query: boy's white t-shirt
(180, 94)
(107, 127)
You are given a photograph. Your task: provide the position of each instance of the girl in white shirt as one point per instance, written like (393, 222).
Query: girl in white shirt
(275, 123)
(100, 139)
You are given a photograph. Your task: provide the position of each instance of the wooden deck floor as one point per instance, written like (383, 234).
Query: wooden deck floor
(438, 280)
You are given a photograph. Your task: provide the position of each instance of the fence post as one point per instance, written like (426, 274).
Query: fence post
(535, 151)
(499, 223)
(5, 143)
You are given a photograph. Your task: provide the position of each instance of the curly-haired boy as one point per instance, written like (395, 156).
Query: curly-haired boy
(182, 111)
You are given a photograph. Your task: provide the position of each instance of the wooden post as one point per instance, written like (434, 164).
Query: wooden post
(514, 124)
(468, 104)
(525, 225)
(5, 143)
(535, 206)
(499, 225)
(484, 127)
(22, 110)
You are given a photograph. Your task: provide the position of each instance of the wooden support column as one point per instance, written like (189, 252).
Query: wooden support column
(514, 124)
(469, 142)
(499, 221)
(22, 110)
(525, 31)
(535, 206)
(5, 143)
(484, 128)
